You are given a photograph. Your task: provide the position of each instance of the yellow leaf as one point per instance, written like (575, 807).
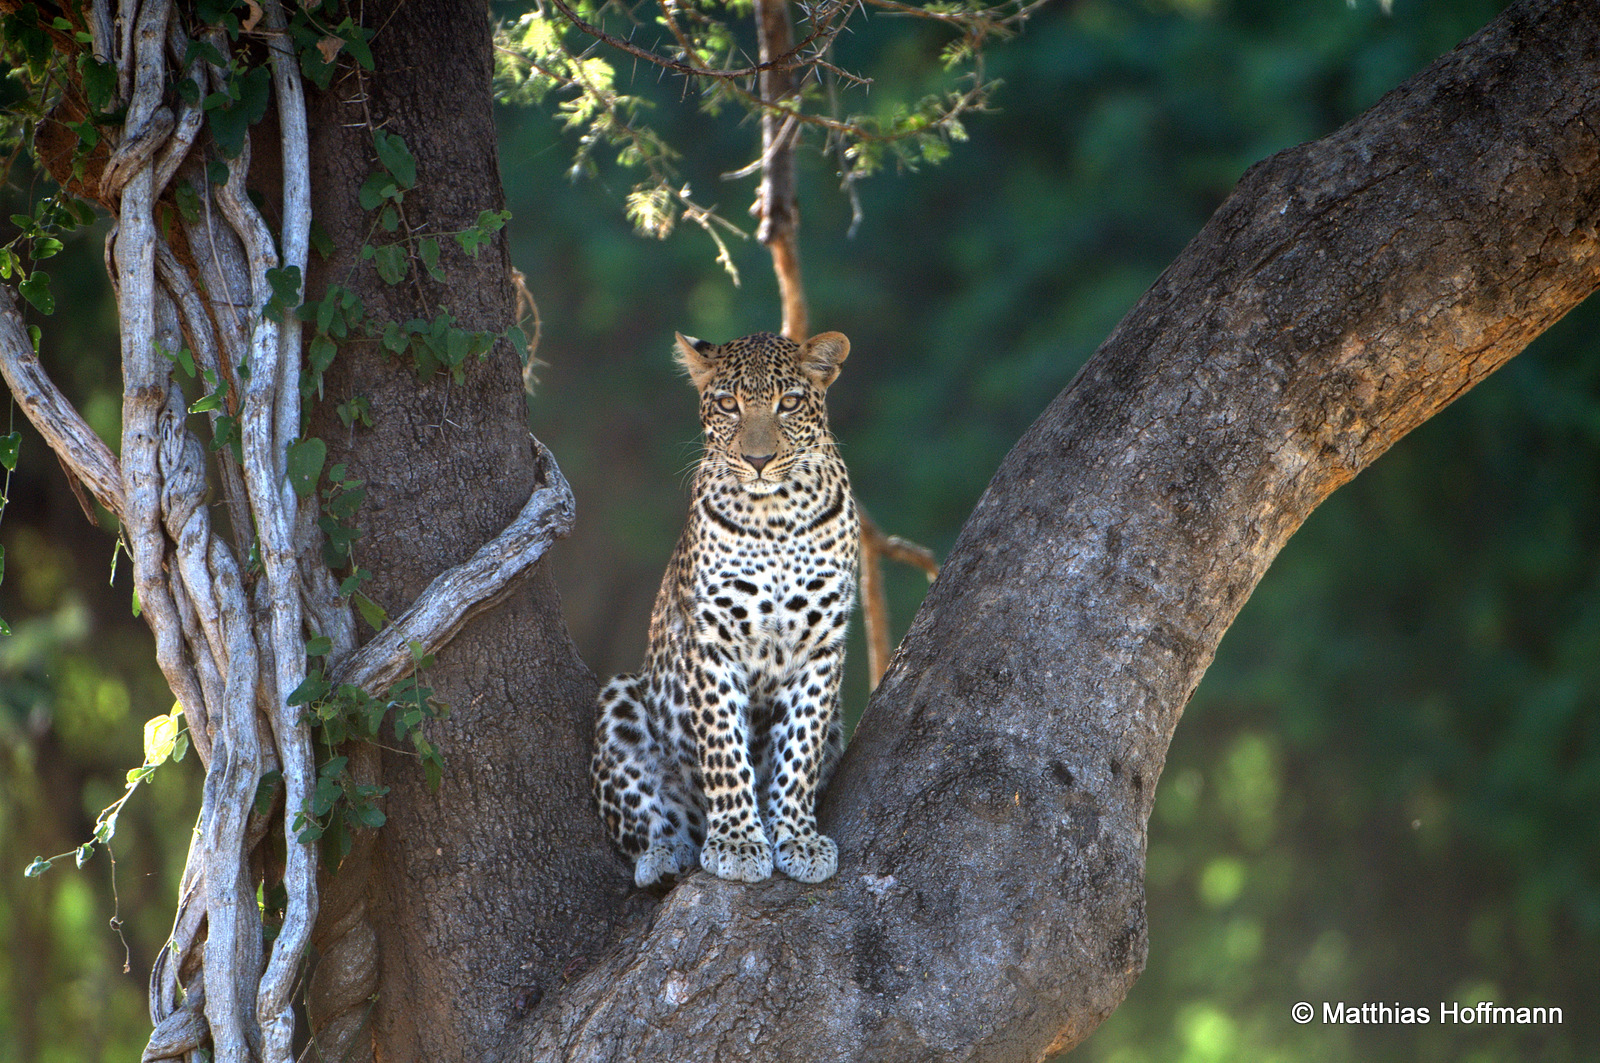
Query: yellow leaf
(160, 734)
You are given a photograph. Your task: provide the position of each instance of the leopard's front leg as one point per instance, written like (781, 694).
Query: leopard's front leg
(736, 845)
(804, 737)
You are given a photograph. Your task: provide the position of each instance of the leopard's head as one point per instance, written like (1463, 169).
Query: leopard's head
(762, 404)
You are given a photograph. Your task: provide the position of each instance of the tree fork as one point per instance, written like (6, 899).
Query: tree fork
(991, 811)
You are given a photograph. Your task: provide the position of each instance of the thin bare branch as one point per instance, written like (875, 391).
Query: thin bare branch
(875, 548)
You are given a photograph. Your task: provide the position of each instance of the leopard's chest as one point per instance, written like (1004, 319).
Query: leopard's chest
(773, 582)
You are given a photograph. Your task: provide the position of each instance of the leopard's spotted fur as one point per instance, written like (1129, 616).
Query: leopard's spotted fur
(715, 753)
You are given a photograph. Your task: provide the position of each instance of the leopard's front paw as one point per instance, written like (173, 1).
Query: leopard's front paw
(808, 858)
(659, 861)
(737, 859)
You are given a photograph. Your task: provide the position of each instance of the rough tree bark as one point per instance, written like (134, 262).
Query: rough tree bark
(991, 810)
(482, 893)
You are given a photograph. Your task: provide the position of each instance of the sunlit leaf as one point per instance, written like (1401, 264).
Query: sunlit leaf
(160, 735)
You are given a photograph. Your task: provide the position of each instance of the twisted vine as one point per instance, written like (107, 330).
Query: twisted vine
(233, 649)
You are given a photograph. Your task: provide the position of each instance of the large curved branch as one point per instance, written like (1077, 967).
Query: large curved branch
(991, 810)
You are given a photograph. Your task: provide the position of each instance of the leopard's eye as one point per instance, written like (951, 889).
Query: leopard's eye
(789, 403)
(727, 404)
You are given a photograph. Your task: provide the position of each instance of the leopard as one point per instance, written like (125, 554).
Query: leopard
(714, 753)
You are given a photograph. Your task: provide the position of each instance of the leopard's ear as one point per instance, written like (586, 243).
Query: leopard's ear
(822, 355)
(698, 358)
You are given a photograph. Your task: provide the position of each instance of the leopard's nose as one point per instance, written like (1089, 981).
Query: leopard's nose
(758, 462)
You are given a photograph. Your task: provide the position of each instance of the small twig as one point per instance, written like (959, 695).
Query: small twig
(528, 307)
(776, 205)
(875, 546)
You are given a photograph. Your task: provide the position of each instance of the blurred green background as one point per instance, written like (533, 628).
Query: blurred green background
(1388, 786)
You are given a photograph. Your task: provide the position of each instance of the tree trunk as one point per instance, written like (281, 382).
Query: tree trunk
(481, 893)
(991, 810)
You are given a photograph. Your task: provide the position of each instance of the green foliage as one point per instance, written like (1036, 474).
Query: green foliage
(341, 500)
(547, 54)
(341, 804)
(321, 42)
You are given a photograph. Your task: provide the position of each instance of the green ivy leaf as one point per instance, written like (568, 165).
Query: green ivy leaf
(346, 503)
(36, 289)
(213, 401)
(395, 157)
(267, 791)
(373, 613)
(358, 408)
(10, 446)
(428, 251)
(320, 646)
(391, 262)
(231, 118)
(369, 816)
(320, 353)
(321, 242)
(99, 81)
(201, 49)
(349, 586)
(39, 866)
(377, 188)
(306, 458)
(307, 829)
(355, 39)
(183, 357)
(433, 772)
(188, 201)
(312, 688)
(285, 290)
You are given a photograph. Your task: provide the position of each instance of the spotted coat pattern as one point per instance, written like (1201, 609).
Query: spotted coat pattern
(714, 754)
